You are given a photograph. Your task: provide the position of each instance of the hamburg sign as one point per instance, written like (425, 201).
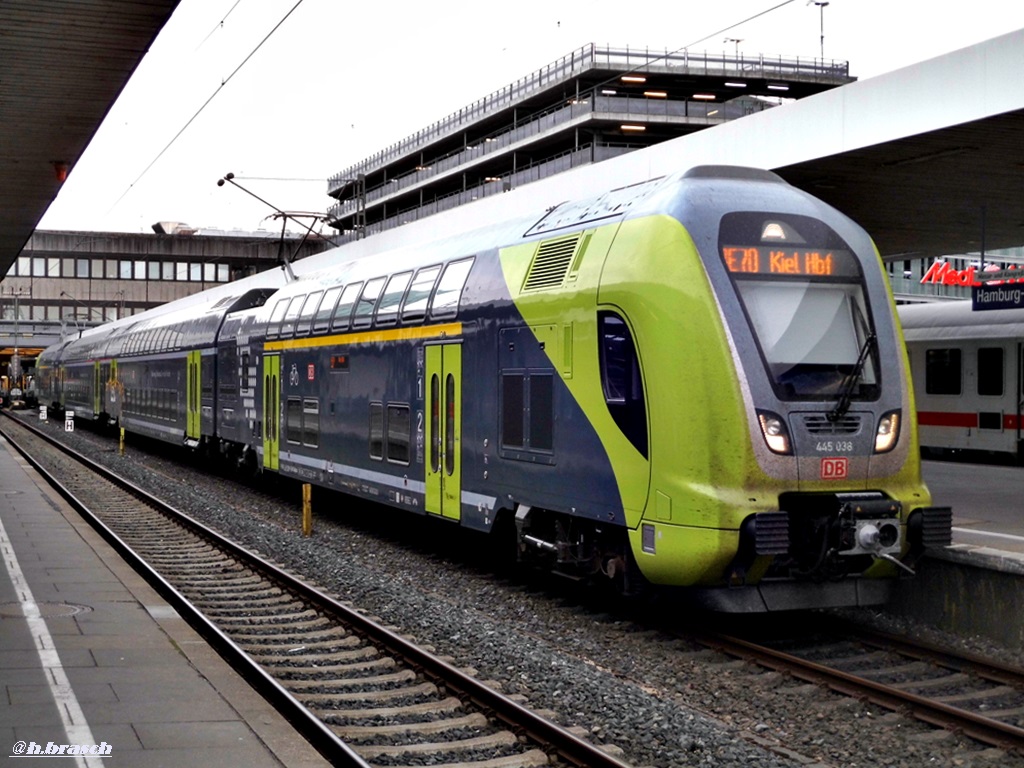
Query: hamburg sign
(999, 289)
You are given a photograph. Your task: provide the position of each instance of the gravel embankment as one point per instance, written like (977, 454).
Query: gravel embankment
(660, 701)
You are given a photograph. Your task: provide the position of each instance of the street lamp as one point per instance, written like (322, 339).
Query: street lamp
(737, 41)
(821, 8)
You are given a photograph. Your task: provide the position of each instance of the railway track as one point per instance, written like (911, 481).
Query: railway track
(976, 697)
(360, 692)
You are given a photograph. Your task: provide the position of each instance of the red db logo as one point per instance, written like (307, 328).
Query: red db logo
(835, 469)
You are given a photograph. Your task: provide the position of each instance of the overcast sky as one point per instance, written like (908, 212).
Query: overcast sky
(338, 81)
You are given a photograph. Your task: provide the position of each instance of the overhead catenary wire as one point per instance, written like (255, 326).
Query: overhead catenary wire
(206, 103)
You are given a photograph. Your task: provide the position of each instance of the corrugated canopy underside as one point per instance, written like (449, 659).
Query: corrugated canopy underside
(63, 63)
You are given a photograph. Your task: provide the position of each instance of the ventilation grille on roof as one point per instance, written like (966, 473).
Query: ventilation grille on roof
(551, 263)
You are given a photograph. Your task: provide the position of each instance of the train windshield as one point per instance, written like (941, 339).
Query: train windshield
(802, 291)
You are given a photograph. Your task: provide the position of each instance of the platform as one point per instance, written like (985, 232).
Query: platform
(91, 655)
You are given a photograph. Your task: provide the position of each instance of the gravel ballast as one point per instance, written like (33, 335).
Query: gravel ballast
(653, 700)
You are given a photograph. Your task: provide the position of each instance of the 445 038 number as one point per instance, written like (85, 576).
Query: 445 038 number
(834, 446)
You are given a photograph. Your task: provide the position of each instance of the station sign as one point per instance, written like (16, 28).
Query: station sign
(69, 421)
(991, 288)
(42, 413)
(986, 297)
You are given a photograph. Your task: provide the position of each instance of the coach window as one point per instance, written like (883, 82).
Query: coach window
(367, 302)
(387, 312)
(293, 420)
(399, 433)
(449, 290)
(621, 381)
(274, 324)
(322, 319)
(306, 315)
(376, 430)
(288, 323)
(942, 372)
(311, 422)
(343, 312)
(415, 305)
(513, 404)
(990, 371)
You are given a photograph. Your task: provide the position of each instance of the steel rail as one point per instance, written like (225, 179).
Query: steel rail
(936, 713)
(304, 721)
(553, 738)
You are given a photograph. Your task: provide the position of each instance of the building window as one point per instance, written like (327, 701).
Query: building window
(195, 272)
(209, 273)
(223, 273)
(125, 270)
(38, 267)
(53, 267)
(153, 270)
(140, 270)
(167, 270)
(942, 372)
(82, 268)
(24, 266)
(181, 271)
(111, 269)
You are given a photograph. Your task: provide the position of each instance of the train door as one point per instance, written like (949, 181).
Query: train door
(271, 411)
(444, 430)
(192, 390)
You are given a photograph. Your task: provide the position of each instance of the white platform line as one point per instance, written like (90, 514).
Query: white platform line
(1009, 536)
(75, 725)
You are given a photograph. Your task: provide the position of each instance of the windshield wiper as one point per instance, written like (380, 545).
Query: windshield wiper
(851, 381)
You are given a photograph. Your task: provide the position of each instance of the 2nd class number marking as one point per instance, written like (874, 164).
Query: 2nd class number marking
(834, 446)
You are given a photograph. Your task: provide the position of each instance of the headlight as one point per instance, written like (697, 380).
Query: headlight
(888, 432)
(776, 436)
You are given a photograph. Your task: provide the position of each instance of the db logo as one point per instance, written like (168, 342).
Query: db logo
(835, 469)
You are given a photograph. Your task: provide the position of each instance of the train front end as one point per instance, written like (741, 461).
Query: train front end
(785, 468)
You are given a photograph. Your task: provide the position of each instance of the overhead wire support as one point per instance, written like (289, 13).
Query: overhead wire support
(295, 216)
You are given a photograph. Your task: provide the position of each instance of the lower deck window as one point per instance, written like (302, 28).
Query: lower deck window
(302, 421)
(399, 433)
(528, 410)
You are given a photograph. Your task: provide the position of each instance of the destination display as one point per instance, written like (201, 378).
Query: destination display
(799, 262)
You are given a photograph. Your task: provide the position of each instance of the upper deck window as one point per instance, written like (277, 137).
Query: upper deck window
(449, 290)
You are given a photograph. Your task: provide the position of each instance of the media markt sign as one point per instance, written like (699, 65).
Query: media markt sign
(991, 288)
(997, 297)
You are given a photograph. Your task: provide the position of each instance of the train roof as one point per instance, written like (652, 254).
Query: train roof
(957, 320)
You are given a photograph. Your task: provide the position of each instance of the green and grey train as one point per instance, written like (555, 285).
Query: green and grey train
(697, 381)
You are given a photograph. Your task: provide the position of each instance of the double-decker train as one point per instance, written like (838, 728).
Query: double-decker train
(968, 372)
(695, 381)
